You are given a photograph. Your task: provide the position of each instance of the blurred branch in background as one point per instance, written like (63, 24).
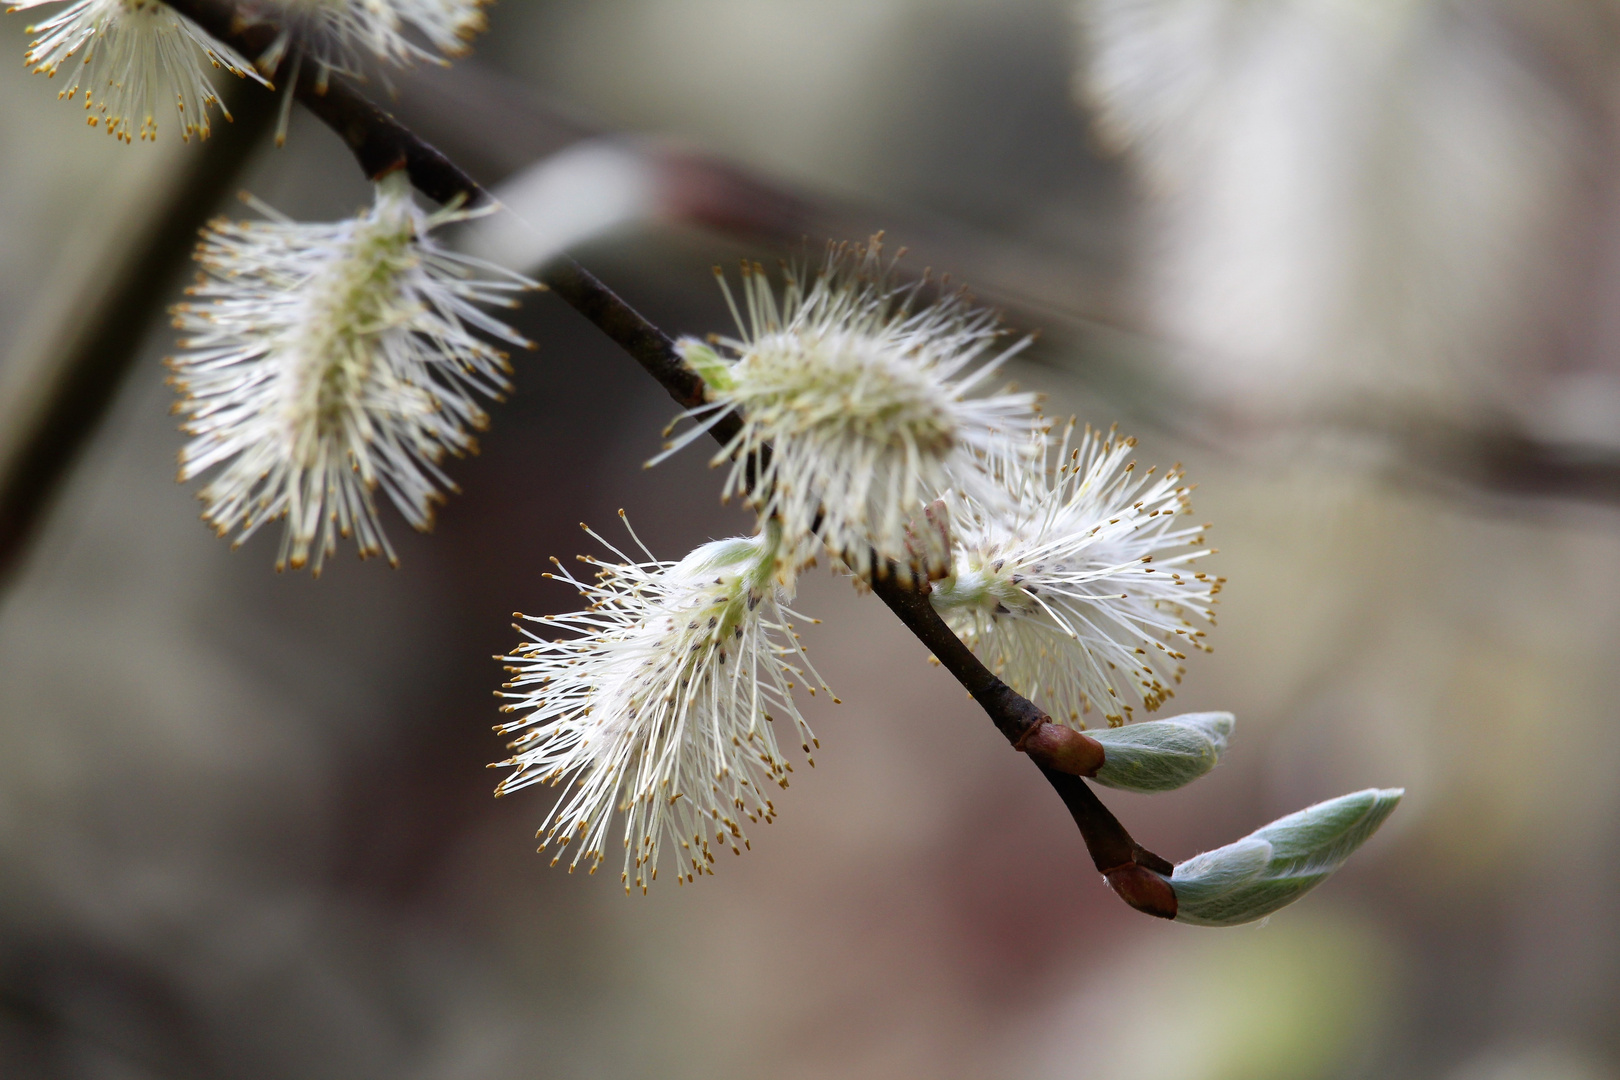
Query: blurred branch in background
(1504, 463)
(567, 182)
(95, 336)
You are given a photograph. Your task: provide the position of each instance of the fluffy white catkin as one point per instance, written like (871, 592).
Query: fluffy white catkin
(136, 57)
(864, 396)
(1078, 584)
(664, 699)
(325, 361)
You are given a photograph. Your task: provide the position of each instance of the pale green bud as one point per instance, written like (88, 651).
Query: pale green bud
(709, 365)
(1276, 865)
(1162, 755)
(719, 556)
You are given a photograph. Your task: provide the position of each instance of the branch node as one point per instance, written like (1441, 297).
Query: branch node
(1055, 746)
(1143, 889)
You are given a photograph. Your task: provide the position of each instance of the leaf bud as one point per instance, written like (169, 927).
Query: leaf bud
(1162, 755)
(1274, 866)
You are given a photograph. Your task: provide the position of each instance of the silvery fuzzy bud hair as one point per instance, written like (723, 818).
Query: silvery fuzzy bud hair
(1162, 755)
(1274, 866)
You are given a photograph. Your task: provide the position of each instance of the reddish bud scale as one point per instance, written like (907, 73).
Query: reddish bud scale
(1062, 749)
(1144, 890)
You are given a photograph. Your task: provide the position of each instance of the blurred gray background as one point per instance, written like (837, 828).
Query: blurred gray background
(1355, 264)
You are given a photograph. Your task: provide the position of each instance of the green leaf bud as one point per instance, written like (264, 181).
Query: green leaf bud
(1276, 865)
(1162, 755)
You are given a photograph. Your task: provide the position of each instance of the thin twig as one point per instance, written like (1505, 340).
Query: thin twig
(1012, 713)
(651, 347)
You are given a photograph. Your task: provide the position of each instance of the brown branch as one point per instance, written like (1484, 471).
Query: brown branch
(1131, 870)
(382, 144)
(1062, 754)
(1013, 714)
(653, 349)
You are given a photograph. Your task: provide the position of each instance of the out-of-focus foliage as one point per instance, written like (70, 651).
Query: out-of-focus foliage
(1378, 211)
